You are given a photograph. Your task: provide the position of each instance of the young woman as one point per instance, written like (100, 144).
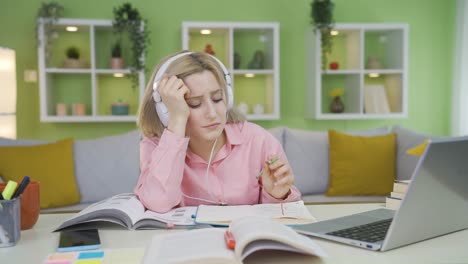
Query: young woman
(197, 149)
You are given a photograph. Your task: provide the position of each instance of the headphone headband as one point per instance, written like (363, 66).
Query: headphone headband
(162, 110)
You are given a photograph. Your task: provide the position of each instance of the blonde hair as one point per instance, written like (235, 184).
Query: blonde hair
(197, 62)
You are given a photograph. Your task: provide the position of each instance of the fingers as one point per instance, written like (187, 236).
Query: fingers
(287, 179)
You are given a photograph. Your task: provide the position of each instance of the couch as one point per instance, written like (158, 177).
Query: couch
(110, 165)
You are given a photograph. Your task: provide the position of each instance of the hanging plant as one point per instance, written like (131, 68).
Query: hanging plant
(49, 13)
(128, 19)
(322, 18)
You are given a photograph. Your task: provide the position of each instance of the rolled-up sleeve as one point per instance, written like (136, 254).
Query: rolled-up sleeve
(162, 164)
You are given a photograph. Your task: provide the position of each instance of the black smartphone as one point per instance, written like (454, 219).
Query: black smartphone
(75, 240)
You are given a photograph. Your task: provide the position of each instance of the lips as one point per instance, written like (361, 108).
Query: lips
(212, 126)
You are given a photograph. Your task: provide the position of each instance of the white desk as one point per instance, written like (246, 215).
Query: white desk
(37, 243)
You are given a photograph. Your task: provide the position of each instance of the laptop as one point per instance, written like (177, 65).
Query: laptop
(436, 203)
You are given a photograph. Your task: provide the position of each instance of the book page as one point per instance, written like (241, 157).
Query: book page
(124, 209)
(177, 216)
(258, 233)
(288, 213)
(196, 246)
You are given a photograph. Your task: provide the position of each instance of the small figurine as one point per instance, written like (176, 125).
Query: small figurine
(209, 49)
(258, 61)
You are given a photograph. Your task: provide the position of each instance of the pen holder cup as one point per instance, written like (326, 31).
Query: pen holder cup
(9, 222)
(30, 204)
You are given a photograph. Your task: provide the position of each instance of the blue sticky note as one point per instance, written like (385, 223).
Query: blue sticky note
(91, 255)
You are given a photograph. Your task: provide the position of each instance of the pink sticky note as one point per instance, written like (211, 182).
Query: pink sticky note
(62, 256)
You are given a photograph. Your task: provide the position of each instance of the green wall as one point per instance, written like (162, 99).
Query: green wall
(431, 41)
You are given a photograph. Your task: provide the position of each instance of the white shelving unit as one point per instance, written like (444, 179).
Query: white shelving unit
(58, 84)
(377, 92)
(250, 85)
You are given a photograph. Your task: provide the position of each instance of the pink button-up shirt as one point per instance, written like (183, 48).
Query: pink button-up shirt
(170, 172)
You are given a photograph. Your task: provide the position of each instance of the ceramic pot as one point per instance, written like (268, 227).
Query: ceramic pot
(117, 63)
(337, 105)
(30, 204)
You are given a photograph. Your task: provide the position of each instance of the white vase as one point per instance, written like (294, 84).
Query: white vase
(259, 109)
(243, 107)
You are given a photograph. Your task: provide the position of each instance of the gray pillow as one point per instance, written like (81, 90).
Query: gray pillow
(307, 152)
(21, 142)
(107, 166)
(407, 139)
(278, 133)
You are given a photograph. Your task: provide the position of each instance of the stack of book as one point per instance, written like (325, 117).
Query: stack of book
(399, 189)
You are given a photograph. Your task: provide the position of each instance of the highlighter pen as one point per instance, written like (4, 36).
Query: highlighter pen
(9, 190)
(273, 160)
(230, 241)
(24, 183)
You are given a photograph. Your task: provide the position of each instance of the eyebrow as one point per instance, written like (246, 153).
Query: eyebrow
(198, 97)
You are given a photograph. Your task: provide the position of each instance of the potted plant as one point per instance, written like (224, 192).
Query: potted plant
(73, 58)
(322, 18)
(128, 19)
(48, 14)
(116, 54)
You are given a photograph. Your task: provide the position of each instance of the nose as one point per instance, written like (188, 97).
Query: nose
(210, 110)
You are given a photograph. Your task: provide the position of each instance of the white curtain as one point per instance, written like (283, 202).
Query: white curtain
(7, 93)
(460, 77)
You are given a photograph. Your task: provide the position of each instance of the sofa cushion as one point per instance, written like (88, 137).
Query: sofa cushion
(50, 164)
(323, 199)
(361, 165)
(407, 139)
(307, 152)
(278, 133)
(107, 166)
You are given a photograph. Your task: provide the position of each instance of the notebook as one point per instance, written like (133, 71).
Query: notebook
(435, 204)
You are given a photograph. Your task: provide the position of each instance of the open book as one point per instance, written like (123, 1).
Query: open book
(251, 234)
(292, 213)
(126, 210)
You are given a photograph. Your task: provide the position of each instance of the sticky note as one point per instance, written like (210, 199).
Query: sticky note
(61, 256)
(88, 261)
(91, 255)
(124, 256)
(58, 262)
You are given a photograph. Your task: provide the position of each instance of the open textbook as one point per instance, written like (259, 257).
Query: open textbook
(251, 234)
(126, 210)
(291, 213)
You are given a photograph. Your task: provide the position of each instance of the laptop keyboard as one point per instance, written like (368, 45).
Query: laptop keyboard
(372, 232)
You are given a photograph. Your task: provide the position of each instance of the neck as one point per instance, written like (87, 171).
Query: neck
(203, 148)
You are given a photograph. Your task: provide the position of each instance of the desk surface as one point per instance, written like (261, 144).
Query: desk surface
(35, 244)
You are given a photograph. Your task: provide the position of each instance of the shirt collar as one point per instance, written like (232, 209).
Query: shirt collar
(233, 137)
(234, 133)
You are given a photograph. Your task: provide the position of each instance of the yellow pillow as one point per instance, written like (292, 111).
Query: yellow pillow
(418, 150)
(361, 165)
(50, 164)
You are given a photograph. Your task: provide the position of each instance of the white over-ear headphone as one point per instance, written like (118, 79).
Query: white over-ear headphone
(161, 109)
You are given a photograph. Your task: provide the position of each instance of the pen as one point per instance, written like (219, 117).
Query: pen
(9, 190)
(230, 241)
(24, 183)
(273, 160)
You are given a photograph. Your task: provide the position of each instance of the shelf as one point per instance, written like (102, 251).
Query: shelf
(83, 119)
(91, 83)
(369, 64)
(255, 83)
